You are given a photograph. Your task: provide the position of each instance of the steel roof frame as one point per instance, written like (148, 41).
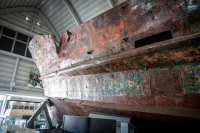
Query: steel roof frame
(28, 9)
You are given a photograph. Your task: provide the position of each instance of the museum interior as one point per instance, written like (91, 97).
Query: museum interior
(99, 66)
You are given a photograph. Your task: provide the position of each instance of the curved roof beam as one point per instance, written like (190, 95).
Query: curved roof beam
(17, 9)
(17, 28)
(72, 11)
(32, 9)
(111, 4)
(49, 25)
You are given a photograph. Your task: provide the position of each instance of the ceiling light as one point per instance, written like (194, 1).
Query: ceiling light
(27, 18)
(38, 23)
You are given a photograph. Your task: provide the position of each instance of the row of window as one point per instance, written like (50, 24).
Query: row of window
(23, 107)
(14, 42)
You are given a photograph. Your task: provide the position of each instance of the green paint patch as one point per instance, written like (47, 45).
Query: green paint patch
(168, 58)
(130, 82)
(122, 84)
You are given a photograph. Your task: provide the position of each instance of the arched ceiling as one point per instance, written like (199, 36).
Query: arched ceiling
(54, 16)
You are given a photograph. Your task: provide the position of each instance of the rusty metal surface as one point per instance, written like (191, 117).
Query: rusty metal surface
(182, 79)
(168, 53)
(42, 50)
(150, 113)
(98, 61)
(111, 33)
(165, 82)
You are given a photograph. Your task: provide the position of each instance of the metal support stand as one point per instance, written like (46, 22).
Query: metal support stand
(43, 107)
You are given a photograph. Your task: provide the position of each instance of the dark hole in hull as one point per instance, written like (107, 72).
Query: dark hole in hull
(153, 39)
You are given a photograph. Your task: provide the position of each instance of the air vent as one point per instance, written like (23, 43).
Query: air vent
(153, 39)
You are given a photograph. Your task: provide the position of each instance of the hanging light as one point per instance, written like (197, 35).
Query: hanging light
(27, 18)
(38, 23)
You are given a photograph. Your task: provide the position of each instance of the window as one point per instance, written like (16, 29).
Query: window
(1, 102)
(26, 107)
(21, 107)
(6, 44)
(36, 107)
(28, 54)
(15, 107)
(19, 48)
(9, 106)
(31, 107)
(22, 37)
(9, 32)
(1, 98)
(14, 42)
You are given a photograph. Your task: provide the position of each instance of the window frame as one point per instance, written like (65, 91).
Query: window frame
(15, 40)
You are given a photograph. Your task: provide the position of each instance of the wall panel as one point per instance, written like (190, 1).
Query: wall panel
(7, 66)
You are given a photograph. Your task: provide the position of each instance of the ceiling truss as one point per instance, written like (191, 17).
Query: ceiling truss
(111, 4)
(72, 11)
(31, 9)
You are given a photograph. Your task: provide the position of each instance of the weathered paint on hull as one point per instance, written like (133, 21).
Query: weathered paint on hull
(177, 80)
(105, 35)
(98, 63)
(178, 116)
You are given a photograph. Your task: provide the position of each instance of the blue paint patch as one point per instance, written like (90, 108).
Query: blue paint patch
(191, 82)
(190, 74)
(192, 8)
(138, 77)
(129, 82)
(34, 41)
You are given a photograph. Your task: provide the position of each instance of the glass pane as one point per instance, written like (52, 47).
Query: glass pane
(19, 48)
(40, 121)
(8, 32)
(30, 39)
(9, 106)
(28, 54)
(26, 107)
(15, 107)
(36, 107)
(22, 37)
(21, 107)
(6, 44)
(31, 107)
